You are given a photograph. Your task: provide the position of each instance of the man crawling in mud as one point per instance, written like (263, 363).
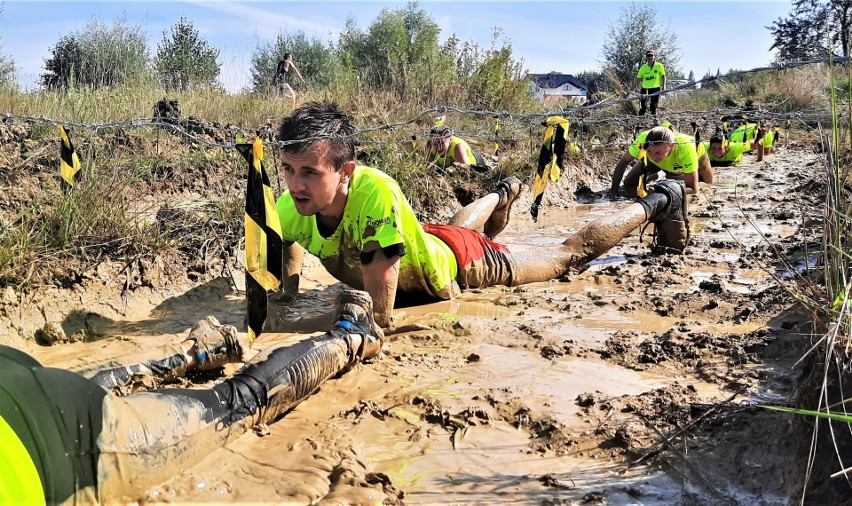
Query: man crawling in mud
(357, 221)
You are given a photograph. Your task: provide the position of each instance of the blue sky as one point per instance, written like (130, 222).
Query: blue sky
(565, 36)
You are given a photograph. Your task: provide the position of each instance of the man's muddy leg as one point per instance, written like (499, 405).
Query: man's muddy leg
(475, 214)
(664, 206)
(590, 242)
(490, 213)
(210, 345)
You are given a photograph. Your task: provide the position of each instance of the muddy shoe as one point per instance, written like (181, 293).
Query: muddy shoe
(217, 344)
(353, 312)
(508, 190)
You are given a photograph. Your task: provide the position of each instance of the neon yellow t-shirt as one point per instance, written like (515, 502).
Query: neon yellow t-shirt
(636, 147)
(746, 132)
(733, 156)
(19, 479)
(768, 139)
(377, 215)
(683, 158)
(450, 157)
(651, 76)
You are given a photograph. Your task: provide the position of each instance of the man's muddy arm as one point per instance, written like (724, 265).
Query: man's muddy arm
(691, 181)
(291, 267)
(381, 277)
(618, 174)
(460, 155)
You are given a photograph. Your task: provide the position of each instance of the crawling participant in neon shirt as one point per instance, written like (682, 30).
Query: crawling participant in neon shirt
(681, 159)
(748, 132)
(67, 439)
(724, 153)
(446, 149)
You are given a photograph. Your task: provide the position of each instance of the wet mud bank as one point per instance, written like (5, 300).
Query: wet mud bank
(636, 379)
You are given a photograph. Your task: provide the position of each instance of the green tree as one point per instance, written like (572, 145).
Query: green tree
(499, 81)
(399, 44)
(812, 29)
(98, 55)
(65, 65)
(635, 30)
(185, 60)
(317, 61)
(595, 81)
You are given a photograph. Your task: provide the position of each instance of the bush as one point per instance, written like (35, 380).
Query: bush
(98, 55)
(186, 61)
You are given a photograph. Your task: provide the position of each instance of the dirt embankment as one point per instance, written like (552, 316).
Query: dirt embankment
(634, 380)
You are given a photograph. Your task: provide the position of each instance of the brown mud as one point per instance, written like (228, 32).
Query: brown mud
(633, 381)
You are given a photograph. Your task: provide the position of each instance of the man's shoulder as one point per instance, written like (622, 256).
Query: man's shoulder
(368, 177)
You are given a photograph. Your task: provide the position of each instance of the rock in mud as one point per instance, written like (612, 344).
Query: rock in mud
(8, 297)
(50, 334)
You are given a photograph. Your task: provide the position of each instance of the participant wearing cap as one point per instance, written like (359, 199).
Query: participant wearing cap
(650, 79)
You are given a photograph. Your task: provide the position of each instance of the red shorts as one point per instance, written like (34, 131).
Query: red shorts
(481, 262)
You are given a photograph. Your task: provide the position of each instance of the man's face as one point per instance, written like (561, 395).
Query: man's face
(717, 150)
(312, 179)
(441, 144)
(649, 58)
(659, 152)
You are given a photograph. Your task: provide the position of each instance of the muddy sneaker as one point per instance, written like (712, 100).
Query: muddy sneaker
(353, 312)
(508, 190)
(671, 225)
(217, 344)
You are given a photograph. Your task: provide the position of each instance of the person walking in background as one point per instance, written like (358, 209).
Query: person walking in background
(283, 72)
(650, 79)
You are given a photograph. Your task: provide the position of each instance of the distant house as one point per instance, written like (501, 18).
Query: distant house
(557, 87)
(674, 83)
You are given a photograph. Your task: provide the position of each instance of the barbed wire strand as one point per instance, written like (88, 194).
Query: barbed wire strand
(580, 114)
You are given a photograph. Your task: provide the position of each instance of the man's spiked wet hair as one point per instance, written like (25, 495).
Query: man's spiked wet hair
(315, 122)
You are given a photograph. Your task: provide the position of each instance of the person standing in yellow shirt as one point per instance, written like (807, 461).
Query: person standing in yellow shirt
(650, 79)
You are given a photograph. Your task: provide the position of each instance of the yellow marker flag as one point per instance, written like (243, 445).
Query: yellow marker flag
(264, 245)
(549, 158)
(640, 188)
(69, 162)
(496, 136)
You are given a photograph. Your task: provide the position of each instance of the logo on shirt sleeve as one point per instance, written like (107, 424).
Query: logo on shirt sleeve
(374, 223)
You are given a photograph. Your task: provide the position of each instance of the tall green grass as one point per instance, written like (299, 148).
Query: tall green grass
(834, 308)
